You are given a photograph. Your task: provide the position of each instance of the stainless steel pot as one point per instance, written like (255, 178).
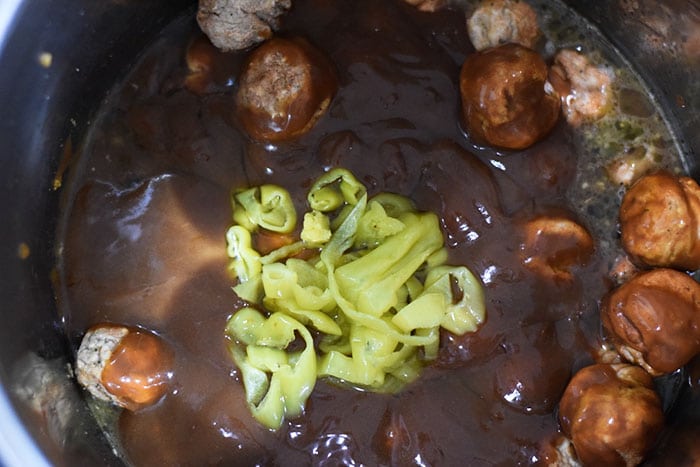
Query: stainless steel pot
(58, 59)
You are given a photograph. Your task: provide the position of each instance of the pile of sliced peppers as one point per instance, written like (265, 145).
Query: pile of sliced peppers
(375, 297)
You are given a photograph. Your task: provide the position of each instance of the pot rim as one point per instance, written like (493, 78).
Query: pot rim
(8, 10)
(17, 447)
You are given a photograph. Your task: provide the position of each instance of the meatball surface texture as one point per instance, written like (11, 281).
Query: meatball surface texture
(507, 101)
(429, 6)
(239, 24)
(654, 320)
(553, 245)
(285, 87)
(660, 221)
(611, 414)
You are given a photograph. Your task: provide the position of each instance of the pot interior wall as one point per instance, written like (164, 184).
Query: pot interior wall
(48, 109)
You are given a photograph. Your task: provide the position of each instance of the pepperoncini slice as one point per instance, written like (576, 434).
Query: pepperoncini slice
(277, 383)
(245, 263)
(375, 226)
(373, 280)
(373, 288)
(268, 206)
(334, 188)
(467, 313)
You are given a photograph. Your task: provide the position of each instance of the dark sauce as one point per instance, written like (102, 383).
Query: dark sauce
(143, 245)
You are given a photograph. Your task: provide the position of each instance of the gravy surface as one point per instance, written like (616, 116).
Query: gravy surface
(144, 246)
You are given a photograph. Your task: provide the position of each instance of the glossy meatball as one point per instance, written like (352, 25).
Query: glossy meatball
(200, 58)
(611, 414)
(285, 86)
(497, 22)
(127, 367)
(660, 221)
(553, 245)
(507, 101)
(427, 5)
(654, 319)
(583, 87)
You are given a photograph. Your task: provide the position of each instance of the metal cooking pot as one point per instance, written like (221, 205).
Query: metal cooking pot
(58, 60)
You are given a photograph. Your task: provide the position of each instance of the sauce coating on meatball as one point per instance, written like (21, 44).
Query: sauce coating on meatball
(611, 414)
(553, 245)
(654, 319)
(506, 99)
(660, 221)
(285, 86)
(139, 370)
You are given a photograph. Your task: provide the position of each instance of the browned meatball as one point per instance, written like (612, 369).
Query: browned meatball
(427, 5)
(128, 367)
(654, 319)
(660, 221)
(584, 88)
(506, 98)
(200, 57)
(285, 86)
(611, 414)
(553, 245)
(239, 24)
(497, 22)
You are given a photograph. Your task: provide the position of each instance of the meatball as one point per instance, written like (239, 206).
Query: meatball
(660, 221)
(239, 24)
(497, 22)
(427, 5)
(584, 88)
(558, 452)
(611, 414)
(553, 245)
(285, 86)
(506, 99)
(654, 319)
(200, 57)
(630, 166)
(127, 367)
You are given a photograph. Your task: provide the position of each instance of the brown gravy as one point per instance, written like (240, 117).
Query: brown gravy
(144, 246)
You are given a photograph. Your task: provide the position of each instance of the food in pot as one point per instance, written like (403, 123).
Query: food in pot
(506, 99)
(128, 367)
(239, 24)
(553, 245)
(498, 22)
(375, 297)
(612, 414)
(285, 87)
(200, 58)
(654, 319)
(632, 165)
(584, 88)
(169, 169)
(427, 5)
(660, 221)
